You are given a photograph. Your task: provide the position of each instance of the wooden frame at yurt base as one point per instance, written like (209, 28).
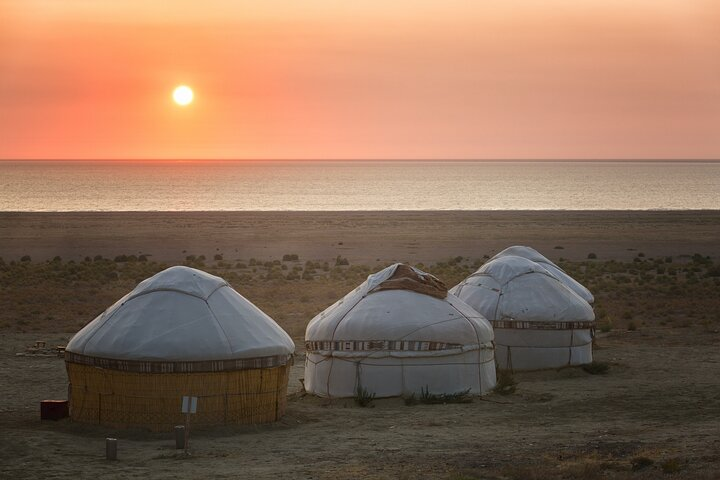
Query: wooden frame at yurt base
(146, 394)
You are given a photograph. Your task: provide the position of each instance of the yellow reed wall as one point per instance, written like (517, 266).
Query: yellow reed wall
(152, 400)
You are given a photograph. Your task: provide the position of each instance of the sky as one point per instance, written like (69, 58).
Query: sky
(322, 79)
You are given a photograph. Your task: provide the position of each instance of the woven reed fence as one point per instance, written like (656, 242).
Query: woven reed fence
(122, 399)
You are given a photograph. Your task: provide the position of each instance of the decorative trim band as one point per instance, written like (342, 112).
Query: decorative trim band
(149, 366)
(519, 325)
(378, 345)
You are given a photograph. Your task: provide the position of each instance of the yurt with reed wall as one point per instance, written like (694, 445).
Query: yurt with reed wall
(538, 321)
(181, 332)
(399, 333)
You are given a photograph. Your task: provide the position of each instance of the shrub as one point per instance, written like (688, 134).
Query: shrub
(559, 247)
(341, 261)
(363, 398)
(410, 400)
(431, 399)
(639, 463)
(592, 256)
(632, 327)
(290, 257)
(26, 258)
(506, 383)
(218, 257)
(596, 368)
(672, 465)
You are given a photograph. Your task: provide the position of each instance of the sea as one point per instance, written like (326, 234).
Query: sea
(66, 186)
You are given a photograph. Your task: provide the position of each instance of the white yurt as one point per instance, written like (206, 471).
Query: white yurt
(181, 332)
(559, 273)
(399, 333)
(538, 321)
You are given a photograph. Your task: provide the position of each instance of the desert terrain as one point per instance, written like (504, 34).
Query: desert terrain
(654, 413)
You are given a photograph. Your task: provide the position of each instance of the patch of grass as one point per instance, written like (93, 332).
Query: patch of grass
(441, 398)
(606, 327)
(596, 368)
(363, 398)
(672, 465)
(410, 400)
(640, 463)
(506, 384)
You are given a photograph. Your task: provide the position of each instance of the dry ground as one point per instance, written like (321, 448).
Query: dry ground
(657, 409)
(660, 400)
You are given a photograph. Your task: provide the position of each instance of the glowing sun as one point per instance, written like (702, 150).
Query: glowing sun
(183, 95)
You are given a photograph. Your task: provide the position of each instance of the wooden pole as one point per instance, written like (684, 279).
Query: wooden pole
(111, 448)
(179, 436)
(187, 432)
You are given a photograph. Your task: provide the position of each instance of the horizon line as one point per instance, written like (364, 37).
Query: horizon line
(418, 160)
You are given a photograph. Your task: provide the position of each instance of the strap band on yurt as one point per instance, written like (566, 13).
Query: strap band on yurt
(141, 366)
(378, 345)
(525, 325)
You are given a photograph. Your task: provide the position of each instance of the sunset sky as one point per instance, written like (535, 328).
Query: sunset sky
(516, 79)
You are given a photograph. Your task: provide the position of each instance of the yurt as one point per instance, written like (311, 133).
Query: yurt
(538, 321)
(399, 333)
(557, 272)
(181, 332)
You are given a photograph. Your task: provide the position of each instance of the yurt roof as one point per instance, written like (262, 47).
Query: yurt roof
(182, 314)
(400, 303)
(559, 273)
(515, 288)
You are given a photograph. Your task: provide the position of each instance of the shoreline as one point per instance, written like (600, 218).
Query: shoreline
(361, 236)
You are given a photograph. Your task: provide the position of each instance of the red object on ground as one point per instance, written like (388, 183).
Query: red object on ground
(53, 409)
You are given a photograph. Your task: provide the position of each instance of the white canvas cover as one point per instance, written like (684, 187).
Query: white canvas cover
(397, 342)
(182, 314)
(557, 272)
(538, 321)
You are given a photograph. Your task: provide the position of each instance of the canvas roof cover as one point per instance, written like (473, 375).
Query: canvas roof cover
(182, 314)
(559, 273)
(512, 287)
(400, 303)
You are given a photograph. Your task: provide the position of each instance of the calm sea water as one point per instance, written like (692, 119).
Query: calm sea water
(124, 186)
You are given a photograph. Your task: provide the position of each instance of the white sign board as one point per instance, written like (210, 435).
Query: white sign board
(189, 405)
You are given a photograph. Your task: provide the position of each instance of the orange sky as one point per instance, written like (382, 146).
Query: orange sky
(378, 79)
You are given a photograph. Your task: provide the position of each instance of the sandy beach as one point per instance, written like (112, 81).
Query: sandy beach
(656, 411)
(362, 237)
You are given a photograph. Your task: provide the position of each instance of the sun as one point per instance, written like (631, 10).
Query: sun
(183, 95)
